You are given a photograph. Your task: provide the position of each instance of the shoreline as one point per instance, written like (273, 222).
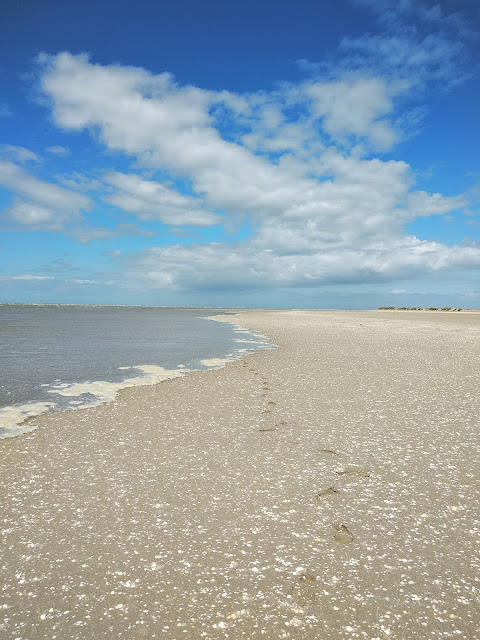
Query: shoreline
(16, 420)
(327, 488)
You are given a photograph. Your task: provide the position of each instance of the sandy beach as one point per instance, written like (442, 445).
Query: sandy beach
(325, 489)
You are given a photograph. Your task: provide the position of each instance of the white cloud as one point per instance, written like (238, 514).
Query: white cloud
(425, 14)
(19, 154)
(58, 150)
(27, 277)
(216, 266)
(169, 127)
(423, 204)
(320, 211)
(37, 279)
(40, 205)
(356, 107)
(86, 233)
(415, 60)
(421, 42)
(151, 200)
(31, 214)
(80, 182)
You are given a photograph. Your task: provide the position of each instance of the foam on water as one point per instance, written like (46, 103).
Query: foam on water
(105, 391)
(77, 394)
(94, 393)
(11, 418)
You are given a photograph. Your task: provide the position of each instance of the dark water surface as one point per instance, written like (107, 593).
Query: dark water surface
(47, 350)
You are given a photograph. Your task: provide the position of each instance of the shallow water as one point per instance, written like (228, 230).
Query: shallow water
(64, 356)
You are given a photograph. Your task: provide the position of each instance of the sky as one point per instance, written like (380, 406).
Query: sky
(258, 154)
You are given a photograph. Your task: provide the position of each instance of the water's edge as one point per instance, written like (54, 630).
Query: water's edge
(15, 420)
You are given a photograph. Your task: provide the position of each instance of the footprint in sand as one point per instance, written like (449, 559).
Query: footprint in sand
(330, 452)
(342, 534)
(331, 491)
(354, 471)
(305, 589)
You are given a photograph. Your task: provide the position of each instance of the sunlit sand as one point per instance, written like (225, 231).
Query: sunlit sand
(324, 489)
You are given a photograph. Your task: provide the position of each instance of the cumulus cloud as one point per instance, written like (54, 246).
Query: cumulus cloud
(39, 204)
(45, 206)
(217, 266)
(422, 204)
(355, 107)
(150, 200)
(295, 163)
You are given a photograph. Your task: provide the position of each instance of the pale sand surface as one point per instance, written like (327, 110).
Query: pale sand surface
(327, 489)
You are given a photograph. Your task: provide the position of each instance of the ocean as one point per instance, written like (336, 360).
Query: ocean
(58, 357)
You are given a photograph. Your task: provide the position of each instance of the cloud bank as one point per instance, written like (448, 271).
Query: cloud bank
(295, 163)
(302, 168)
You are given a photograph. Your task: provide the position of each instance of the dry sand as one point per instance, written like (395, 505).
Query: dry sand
(324, 489)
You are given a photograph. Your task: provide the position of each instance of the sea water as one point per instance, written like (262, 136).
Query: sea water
(56, 357)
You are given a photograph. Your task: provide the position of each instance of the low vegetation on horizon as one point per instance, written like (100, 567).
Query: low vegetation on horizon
(422, 309)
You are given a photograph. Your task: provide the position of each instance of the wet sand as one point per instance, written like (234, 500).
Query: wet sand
(327, 489)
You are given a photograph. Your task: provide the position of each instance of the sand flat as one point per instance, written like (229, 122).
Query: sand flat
(325, 489)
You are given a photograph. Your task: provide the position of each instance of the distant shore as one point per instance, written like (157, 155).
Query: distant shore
(426, 309)
(325, 489)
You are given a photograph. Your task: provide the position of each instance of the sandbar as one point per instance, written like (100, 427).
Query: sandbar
(324, 489)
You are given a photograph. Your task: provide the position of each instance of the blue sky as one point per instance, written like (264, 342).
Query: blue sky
(284, 154)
